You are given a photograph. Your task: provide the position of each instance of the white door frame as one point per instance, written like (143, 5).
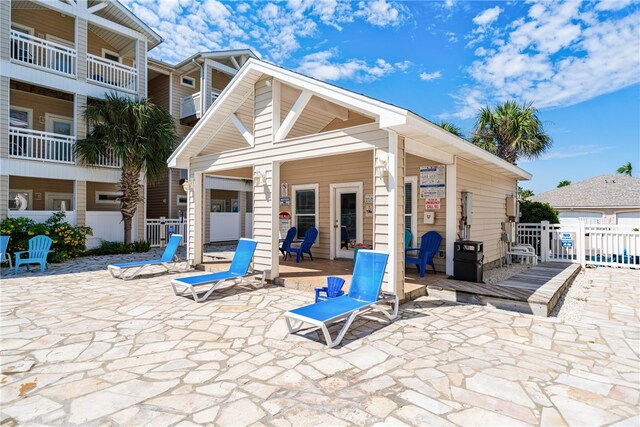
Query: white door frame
(414, 209)
(333, 215)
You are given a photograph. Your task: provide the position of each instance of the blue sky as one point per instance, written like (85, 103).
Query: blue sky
(577, 62)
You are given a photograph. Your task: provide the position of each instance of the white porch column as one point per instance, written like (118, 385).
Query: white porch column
(450, 214)
(389, 212)
(266, 202)
(195, 219)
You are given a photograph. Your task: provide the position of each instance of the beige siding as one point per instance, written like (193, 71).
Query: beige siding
(490, 191)
(219, 80)
(157, 197)
(400, 226)
(141, 65)
(180, 91)
(80, 107)
(4, 115)
(176, 190)
(207, 217)
(243, 211)
(81, 46)
(81, 202)
(5, 27)
(4, 196)
(39, 187)
(413, 169)
(354, 167)
(158, 91)
(96, 44)
(46, 22)
(41, 105)
(92, 189)
(354, 119)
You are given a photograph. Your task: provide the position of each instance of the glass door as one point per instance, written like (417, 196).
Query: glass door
(347, 216)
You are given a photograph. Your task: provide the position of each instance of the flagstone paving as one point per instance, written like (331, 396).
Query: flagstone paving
(81, 348)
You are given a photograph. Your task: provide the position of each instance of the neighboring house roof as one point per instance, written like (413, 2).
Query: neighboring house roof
(604, 191)
(388, 116)
(216, 55)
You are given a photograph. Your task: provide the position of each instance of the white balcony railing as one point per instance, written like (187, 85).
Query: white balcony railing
(36, 145)
(191, 105)
(43, 54)
(111, 74)
(110, 161)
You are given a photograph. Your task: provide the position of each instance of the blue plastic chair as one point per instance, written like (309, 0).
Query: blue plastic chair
(168, 260)
(4, 255)
(238, 269)
(332, 290)
(408, 237)
(429, 244)
(286, 243)
(310, 237)
(364, 294)
(38, 250)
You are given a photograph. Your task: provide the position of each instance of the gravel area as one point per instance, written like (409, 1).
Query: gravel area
(497, 275)
(571, 303)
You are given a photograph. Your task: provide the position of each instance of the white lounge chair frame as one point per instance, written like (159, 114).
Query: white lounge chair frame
(214, 285)
(295, 322)
(522, 252)
(118, 271)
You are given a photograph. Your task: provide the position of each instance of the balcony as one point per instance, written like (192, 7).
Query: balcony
(111, 74)
(191, 106)
(46, 146)
(50, 147)
(43, 54)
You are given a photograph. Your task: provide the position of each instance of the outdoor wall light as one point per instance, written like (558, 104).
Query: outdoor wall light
(382, 168)
(259, 177)
(186, 185)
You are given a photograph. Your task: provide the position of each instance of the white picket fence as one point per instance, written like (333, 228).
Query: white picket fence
(159, 230)
(586, 244)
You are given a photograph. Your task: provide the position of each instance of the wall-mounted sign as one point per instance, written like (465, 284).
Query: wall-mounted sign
(429, 218)
(566, 240)
(284, 189)
(285, 223)
(368, 211)
(432, 182)
(285, 201)
(431, 204)
(368, 198)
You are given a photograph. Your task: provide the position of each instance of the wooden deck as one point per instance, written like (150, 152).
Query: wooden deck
(535, 291)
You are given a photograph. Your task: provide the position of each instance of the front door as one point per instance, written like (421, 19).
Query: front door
(347, 218)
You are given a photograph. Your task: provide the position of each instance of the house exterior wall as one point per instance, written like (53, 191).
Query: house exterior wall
(180, 91)
(46, 22)
(490, 191)
(41, 105)
(158, 91)
(96, 44)
(158, 197)
(41, 186)
(80, 198)
(352, 167)
(92, 189)
(413, 169)
(608, 214)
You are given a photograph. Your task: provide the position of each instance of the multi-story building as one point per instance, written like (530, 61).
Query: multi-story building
(58, 56)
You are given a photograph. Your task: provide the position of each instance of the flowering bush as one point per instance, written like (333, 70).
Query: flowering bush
(68, 241)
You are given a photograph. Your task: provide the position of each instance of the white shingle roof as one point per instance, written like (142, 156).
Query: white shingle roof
(613, 190)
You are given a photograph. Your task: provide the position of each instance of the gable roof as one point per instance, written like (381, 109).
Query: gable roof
(388, 116)
(602, 191)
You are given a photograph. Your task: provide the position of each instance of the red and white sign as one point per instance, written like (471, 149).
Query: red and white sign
(432, 203)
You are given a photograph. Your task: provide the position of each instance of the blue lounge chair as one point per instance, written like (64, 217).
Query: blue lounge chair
(38, 250)
(238, 270)
(364, 294)
(310, 237)
(332, 290)
(4, 255)
(429, 244)
(286, 243)
(168, 260)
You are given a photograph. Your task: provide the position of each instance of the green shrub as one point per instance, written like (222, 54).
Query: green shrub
(141, 246)
(111, 248)
(535, 212)
(68, 241)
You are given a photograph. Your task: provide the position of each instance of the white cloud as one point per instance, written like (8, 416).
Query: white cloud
(488, 16)
(570, 152)
(325, 66)
(430, 76)
(382, 14)
(560, 54)
(612, 5)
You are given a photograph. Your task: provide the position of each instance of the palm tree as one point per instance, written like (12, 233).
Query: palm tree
(138, 132)
(524, 194)
(564, 183)
(625, 169)
(450, 127)
(511, 131)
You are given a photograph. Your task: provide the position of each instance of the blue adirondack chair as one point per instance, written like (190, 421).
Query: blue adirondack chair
(38, 250)
(310, 237)
(4, 255)
(408, 237)
(286, 243)
(332, 290)
(429, 244)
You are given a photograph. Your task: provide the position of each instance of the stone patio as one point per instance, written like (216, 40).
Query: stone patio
(79, 347)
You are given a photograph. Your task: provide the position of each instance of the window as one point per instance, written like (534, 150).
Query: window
(58, 201)
(305, 208)
(181, 200)
(411, 206)
(111, 55)
(20, 200)
(107, 197)
(188, 81)
(20, 117)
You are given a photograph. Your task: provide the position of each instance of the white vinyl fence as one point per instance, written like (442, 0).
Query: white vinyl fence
(159, 230)
(586, 244)
(42, 216)
(248, 225)
(225, 226)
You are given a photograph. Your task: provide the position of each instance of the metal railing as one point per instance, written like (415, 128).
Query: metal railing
(583, 243)
(190, 105)
(35, 145)
(43, 54)
(111, 74)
